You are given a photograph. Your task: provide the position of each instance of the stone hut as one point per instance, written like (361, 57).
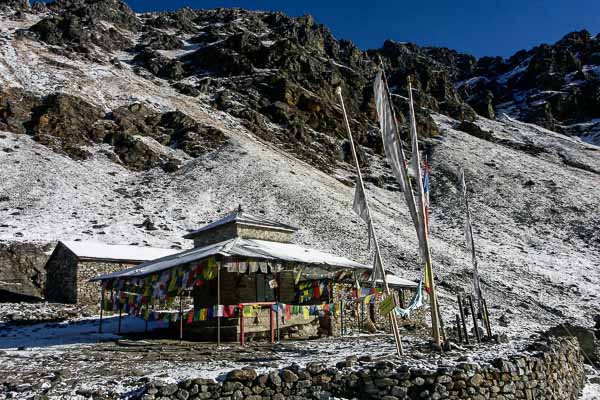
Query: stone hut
(243, 225)
(73, 263)
(243, 276)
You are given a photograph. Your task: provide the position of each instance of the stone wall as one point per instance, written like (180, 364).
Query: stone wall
(230, 231)
(215, 235)
(61, 273)
(273, 235)
(550, 370)
(67, 278)
(88, 293)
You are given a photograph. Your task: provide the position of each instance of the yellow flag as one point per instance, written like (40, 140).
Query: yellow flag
(427, 283)
(248, 311)
(306, 312)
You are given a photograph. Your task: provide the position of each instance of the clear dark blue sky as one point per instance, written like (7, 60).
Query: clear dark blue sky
(491, 27)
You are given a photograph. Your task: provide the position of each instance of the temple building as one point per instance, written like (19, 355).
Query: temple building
(242, 278)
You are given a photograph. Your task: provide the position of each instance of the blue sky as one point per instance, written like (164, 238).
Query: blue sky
(473, 26)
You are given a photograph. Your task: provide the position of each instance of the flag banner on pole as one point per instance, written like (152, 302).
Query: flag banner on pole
(393, 145)
(427, 283)
(361, 209)
(415, 303)
(426, 193)
(377, 274)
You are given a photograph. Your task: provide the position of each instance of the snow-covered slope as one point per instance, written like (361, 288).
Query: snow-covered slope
(534, 193)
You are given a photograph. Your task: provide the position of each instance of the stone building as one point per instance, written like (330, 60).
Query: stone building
(73, 263)
(240, 261)
(243, 225)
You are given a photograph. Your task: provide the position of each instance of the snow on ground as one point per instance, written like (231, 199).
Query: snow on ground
(533, 193)
(71, 358)
(591, 392)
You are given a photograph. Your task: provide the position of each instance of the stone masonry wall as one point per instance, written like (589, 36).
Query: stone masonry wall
(61, 273)
(88, 293)
(550, 370)
(230, 231)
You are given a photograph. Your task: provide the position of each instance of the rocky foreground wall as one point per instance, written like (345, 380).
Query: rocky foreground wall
(550, 370)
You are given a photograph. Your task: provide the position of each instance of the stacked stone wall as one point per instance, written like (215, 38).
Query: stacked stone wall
(61, 276)
(88, 293)
(552, 372)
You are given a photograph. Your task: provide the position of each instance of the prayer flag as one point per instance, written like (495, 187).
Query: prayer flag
(248, 311)
(219, 311)
(288, 312)
(305, 312)
(427, 283)
(426, 193)
(228, 311)
(361, 208)
(393, 145)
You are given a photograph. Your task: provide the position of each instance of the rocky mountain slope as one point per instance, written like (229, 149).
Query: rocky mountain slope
(110, 120)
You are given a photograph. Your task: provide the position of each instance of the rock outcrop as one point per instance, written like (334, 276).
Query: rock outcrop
(68, 124)
(22, 273)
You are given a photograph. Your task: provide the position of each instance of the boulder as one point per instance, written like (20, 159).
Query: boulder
(22, 273)
(242, 375)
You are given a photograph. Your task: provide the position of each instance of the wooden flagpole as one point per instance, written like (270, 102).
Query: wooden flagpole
(424, 234)
(101, 308)
(481, 304)
(379, 260)
(424, 243)
(219, 310)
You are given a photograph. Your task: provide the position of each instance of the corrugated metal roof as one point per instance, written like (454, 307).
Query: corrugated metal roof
(238, 247)
(243, 218)
(102, 251)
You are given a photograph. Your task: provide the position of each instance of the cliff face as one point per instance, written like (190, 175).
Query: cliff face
(22, 274)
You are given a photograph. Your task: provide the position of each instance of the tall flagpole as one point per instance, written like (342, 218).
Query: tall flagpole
(379, 260)
(481, 306)
(423, 229)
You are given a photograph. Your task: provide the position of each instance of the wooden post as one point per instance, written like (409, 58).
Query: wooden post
(441, 321)
(486, 314)
(358, 315)
(462, 318)
(219, 305)
(146, 320)
(120, 315)
(378, 260)
(277, 323)
(475, 326)
(242, 338)
(180, 318)
(342, 318)
(362, 314)
(272, 323)
(101, 308)
(459, 328)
